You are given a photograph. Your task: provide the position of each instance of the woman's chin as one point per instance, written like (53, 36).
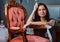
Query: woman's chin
(42, 16)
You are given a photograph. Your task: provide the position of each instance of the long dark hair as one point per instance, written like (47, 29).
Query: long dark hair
(37, 17)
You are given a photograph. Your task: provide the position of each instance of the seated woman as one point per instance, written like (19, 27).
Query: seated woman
(40, 18)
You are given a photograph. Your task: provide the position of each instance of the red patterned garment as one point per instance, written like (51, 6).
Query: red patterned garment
(16, 17)
(30, 38)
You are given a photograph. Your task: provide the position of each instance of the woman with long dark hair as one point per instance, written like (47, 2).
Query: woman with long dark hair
(40, 18)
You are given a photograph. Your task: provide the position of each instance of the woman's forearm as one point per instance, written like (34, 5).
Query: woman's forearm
(51, 22)
(38, 23)
(30, 17)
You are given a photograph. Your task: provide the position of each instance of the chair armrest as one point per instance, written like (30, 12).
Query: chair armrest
(17, 30)
(22, 29)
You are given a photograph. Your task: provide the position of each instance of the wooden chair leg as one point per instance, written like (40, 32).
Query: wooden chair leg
(24, 37)
(9, 37)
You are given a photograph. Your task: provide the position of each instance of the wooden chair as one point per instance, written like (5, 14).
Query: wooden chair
(9, 11)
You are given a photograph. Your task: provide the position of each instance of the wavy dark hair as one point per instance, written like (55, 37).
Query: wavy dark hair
(37, 17)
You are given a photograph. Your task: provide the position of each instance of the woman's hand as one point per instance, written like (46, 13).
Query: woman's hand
(27, 24)
(51, 22)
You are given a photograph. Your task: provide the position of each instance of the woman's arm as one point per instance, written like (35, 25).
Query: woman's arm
(51, 22)
(43, 24)
(29, 20)
(30, 17)
(38, 23)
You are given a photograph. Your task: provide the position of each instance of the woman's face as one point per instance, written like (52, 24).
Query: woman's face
(41, 11)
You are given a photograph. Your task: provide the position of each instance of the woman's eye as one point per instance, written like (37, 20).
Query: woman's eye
(41, 9)
(44, 9)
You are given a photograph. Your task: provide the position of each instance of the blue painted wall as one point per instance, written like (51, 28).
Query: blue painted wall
(54, 12)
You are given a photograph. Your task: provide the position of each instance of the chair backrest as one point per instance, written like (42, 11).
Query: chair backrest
(16, 16)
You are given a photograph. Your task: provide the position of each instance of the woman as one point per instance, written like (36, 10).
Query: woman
(41, 19)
